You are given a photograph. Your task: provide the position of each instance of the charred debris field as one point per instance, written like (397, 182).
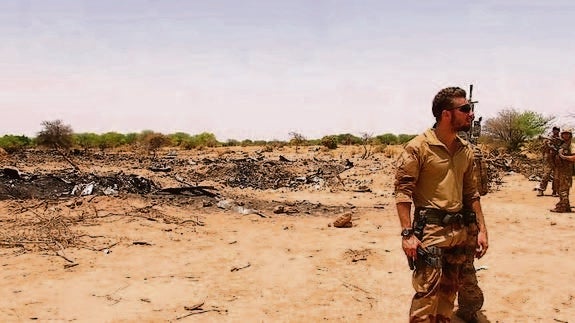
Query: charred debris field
(49, 199)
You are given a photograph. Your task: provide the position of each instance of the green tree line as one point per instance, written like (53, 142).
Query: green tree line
(510, 129)
(56, 134)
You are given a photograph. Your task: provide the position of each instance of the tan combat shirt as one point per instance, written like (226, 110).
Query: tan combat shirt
(431, 178)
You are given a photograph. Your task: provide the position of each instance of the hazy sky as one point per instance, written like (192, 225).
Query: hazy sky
(260, 69)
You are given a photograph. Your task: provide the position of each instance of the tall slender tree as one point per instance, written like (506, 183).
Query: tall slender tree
(55, 134)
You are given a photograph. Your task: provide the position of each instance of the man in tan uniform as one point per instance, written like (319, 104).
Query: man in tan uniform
(564, 171)
(436, 174)
(550, 154)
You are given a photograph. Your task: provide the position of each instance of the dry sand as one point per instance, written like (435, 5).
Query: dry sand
(281, 268)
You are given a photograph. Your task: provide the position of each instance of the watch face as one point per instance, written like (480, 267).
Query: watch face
(406, 232)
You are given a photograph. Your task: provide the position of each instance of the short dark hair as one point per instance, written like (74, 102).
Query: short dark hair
(556, 128)
(443, 99)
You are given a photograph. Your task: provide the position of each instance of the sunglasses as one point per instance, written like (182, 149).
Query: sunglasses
(466, 108)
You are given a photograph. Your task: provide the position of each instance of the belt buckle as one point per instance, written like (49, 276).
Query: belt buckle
(447, 219)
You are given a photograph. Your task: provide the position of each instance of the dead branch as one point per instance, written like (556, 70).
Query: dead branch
(354, 287)
(195, 306)
(101, 249)
(192, 313)
(195, 190)
(141, 243)
(21, 242)
(196, 222)
(67, 159)
(197, 309)
(236, 268)
(108, 247)
(62, 255)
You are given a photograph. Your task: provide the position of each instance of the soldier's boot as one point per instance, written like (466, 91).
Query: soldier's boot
(561, 210)
(539, 192)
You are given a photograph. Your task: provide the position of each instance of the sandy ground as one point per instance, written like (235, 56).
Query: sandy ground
(282, 268)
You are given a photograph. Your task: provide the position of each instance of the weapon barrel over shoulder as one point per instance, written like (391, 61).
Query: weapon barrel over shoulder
(553, 142)
(474, 133)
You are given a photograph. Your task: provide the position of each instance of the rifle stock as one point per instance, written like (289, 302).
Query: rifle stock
(554, 142)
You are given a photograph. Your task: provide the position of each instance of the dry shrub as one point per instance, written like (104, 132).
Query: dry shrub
(393, 151)
(378, 149)
(48, 226)
(139, 150)
(42, 228)
(324, 149)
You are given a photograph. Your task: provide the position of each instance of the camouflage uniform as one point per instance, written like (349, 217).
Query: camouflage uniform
(550, 155)
(470, 296)
(564, 177)
(436, 287)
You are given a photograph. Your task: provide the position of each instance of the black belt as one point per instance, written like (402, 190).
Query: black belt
(441, 217)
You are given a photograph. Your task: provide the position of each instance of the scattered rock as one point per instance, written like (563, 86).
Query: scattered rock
(207, 203)
(343, 221)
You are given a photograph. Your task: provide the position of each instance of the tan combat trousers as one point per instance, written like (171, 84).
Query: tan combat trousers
(435, 288)
(470, 297)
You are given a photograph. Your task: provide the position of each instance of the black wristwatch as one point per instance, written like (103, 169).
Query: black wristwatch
(406, 233)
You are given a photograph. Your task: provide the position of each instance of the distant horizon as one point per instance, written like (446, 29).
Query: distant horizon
(359, 135)
(262, 69)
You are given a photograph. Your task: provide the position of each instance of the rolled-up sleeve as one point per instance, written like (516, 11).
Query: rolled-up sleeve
(406, 175)
(470, 191)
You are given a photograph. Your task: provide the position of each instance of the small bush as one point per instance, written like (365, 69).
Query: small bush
(329, 142)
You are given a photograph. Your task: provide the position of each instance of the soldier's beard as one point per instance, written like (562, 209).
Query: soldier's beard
(460, 127)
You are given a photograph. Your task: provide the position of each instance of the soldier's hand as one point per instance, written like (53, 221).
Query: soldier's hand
(482, 244)
(564, 157)
(410, 245)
